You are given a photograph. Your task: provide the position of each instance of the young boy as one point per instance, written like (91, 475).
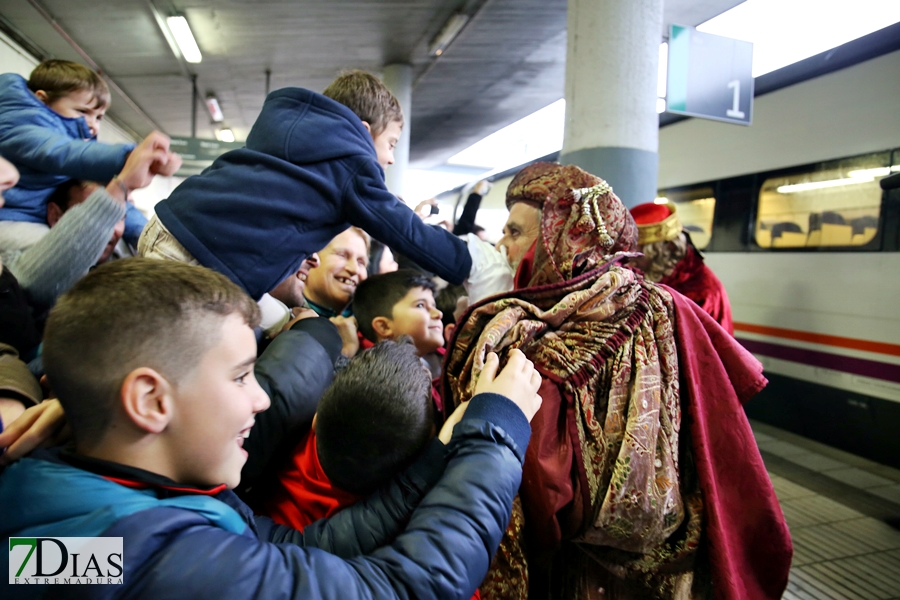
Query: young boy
(313, 165)
(371, 424)
(47, 130)
(160, 399)
(401, 303)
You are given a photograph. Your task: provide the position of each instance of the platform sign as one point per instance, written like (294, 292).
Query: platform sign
(709, 76)
(197, 153)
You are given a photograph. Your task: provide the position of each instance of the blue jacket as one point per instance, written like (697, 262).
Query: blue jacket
(184, 543)
(48, 150)
(308, 172)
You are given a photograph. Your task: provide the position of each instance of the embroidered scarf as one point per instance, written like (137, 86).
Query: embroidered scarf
(604, 340)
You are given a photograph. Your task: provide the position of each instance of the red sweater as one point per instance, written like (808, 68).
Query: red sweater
(304, 494)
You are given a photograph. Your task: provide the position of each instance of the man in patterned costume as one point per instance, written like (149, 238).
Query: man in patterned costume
(670, 258)
(643, 479)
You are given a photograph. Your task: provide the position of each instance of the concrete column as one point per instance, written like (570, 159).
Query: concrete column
(612, 128)
(398, 79)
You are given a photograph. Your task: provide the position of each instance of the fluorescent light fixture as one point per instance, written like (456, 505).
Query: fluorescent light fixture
(873, 173)
(853, 177)
(451, 29)
(818, 185)
(180, 29)
(661, 200)
(225, 135)
(212, 105)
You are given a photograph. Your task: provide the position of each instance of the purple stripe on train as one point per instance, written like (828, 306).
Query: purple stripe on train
(815, 358)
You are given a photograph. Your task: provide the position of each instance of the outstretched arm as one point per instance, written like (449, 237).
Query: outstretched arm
(41, 148)
(369, 205)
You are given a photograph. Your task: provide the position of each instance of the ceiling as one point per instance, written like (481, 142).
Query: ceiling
(507, 62)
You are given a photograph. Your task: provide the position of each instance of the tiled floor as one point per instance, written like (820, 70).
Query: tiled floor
(839, 553)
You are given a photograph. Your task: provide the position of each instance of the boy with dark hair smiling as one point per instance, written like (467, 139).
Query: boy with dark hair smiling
(160, 398)
(391, 305)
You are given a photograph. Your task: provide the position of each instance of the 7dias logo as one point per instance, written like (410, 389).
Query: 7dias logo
(65, 560)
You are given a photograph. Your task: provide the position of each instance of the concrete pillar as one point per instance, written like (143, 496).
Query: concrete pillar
(612, 128)
(398, 79)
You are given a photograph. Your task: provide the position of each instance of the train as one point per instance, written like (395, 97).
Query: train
(790, 215)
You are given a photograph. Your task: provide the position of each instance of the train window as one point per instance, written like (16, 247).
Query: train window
(835, 205)
(695, 209)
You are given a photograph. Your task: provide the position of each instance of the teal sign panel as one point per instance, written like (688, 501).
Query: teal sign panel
(709, 76)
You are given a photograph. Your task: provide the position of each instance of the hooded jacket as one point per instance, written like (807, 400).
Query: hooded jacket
(205, 543)
(308, 172)
(48, 150)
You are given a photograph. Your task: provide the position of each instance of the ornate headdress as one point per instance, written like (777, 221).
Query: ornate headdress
(656, 222)
(583, 223)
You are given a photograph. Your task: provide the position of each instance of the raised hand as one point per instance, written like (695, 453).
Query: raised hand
(518, 381)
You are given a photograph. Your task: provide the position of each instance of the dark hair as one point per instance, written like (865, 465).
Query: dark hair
(59, 78)
(365, 95)
(127, 314)
(446, 302)
(377, 295)
(61, 195)
(376, 417)
(376, 251)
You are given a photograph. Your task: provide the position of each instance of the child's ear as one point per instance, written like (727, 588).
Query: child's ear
(383, 328)
(42, 96)
(54, 213)
(147, 399)
(367, 126)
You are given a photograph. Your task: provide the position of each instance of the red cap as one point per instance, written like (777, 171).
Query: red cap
(656, 222)
(650, 213)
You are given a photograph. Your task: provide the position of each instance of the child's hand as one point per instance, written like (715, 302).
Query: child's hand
(347, 328)
(143, 163)
(42, 425)
(518, 381)
(170, 167)
(9, 176)
(447, 430)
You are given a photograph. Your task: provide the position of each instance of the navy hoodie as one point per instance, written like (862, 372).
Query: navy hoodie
(308, 172)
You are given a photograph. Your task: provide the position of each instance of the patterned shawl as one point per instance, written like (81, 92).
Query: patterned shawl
(605, 445)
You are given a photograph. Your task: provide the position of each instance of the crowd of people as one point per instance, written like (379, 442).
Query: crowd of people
(253, 395)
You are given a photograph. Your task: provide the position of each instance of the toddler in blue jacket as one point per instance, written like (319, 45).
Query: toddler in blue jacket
(48, 128)
(160, 400)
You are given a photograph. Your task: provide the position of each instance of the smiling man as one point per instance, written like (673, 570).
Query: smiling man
(342, 266)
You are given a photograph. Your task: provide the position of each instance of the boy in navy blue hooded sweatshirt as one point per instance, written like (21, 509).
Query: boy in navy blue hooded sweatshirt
(313, 166)
(160, 400)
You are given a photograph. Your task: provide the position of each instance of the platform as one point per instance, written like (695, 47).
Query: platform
(838, 507)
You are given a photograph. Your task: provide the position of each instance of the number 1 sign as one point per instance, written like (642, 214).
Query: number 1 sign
(709, 76)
